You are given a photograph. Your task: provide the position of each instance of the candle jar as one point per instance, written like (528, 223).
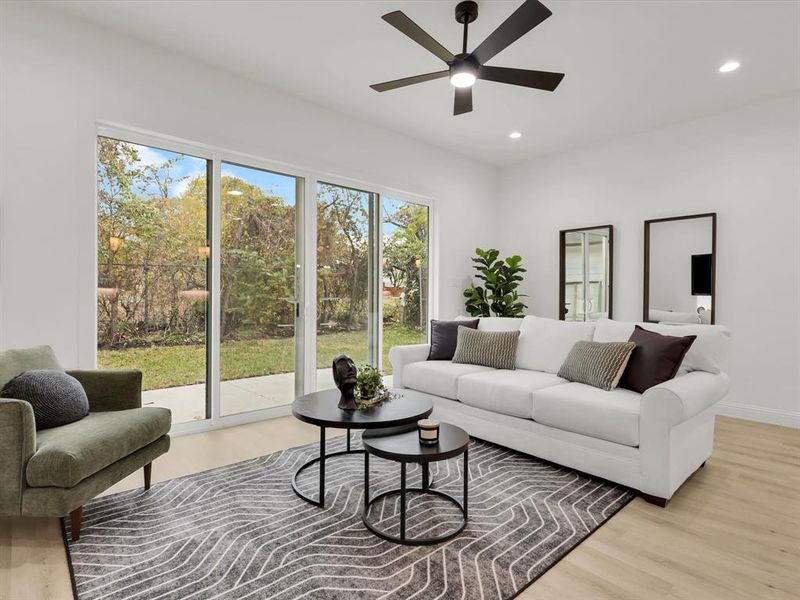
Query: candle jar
(428, 432)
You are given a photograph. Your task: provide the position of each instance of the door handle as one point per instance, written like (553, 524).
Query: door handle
(296, 303)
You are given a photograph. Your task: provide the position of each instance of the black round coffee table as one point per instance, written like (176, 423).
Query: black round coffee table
(404, 408)
(405, 448)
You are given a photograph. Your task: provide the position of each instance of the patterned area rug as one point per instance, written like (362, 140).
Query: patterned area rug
(240, 532)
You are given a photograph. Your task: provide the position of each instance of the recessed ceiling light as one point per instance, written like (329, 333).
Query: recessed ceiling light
(729, 66)
(235, 192)
(515, 135)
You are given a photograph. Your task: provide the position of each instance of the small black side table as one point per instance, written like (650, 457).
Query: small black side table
(405, 408)
(405, 448)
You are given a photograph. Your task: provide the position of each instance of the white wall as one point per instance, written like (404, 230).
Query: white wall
(59, 77)
(743, 164)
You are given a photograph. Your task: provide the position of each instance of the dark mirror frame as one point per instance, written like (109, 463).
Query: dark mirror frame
(562, 263)
(646, 298)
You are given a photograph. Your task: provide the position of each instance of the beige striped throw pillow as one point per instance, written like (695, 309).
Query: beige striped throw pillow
(496, 349)
(599, 364)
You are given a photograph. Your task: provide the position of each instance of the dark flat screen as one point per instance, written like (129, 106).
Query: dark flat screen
(701, 274)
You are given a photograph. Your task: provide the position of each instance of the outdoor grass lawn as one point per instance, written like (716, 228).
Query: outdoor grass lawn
(170, 366)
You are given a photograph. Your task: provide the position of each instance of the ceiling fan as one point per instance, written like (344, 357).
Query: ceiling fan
(463, 69)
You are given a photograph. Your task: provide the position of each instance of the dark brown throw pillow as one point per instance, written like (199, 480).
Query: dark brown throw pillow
(655, 359)
(444, 335)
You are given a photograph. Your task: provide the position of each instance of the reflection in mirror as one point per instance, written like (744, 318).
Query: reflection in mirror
(679, 269)
(586, 257)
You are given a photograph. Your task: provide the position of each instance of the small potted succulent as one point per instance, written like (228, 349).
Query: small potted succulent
(370, 389)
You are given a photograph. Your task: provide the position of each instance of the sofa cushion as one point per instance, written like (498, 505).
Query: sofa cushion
(545, 343)
(439, 377)
(495, 323)
(18, 360)
(709, 352)
(580, 408)
(67, 455)
(506, 392)
(499, 324)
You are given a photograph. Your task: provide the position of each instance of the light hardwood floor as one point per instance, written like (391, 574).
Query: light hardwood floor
(732, 532)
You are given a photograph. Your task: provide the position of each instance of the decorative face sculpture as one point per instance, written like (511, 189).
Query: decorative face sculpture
(344, 375)
(344, 371)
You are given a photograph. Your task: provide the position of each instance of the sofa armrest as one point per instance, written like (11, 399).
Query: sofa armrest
(111, 389)
(17, 445)
(683, 397)
(400, 356)
(676, 429)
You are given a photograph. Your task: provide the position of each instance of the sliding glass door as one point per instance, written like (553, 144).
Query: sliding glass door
(346, 299)
(210, 264)
(260, 279)
(152, 272)
(405, 259)
(373, 256)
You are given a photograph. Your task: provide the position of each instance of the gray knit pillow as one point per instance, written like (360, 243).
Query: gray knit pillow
(599, 364)
(56, 398)
(496, 349)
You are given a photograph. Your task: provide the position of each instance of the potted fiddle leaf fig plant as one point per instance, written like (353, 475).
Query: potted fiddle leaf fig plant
(498, 296)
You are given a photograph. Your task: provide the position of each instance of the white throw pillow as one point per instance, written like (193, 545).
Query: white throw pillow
(545, 343)
(494, 323)
(709, 352)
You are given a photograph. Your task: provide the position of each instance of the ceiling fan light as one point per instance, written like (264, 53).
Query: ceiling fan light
(729, 66)
(462, 79)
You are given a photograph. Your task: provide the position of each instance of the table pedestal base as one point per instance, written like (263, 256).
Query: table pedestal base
(404, 491)
(321, 460)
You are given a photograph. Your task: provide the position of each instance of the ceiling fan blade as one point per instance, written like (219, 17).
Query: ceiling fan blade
(463, 102)
(400, 21)
(398, 83)
(541, 80)
(521, 21)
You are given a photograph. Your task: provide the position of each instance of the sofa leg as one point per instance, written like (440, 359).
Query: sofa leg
(75, 523)
(148, 469)
(703, 465)
(662, 502)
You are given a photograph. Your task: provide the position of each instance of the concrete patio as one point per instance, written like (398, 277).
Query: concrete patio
(188, 402)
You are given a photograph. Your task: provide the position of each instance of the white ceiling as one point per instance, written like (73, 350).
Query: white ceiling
(630, 65)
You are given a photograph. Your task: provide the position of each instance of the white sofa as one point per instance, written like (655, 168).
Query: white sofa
(651, 442)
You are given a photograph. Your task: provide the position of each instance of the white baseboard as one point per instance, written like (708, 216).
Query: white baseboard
(775, 416)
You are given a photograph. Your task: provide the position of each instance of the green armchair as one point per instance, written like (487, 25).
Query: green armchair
(54, 472)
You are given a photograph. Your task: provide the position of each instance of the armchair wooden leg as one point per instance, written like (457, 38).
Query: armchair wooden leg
(148, 469)
(75, 523)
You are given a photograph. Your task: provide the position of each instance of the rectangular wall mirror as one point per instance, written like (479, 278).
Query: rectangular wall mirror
(680, 269)
(586, 273)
